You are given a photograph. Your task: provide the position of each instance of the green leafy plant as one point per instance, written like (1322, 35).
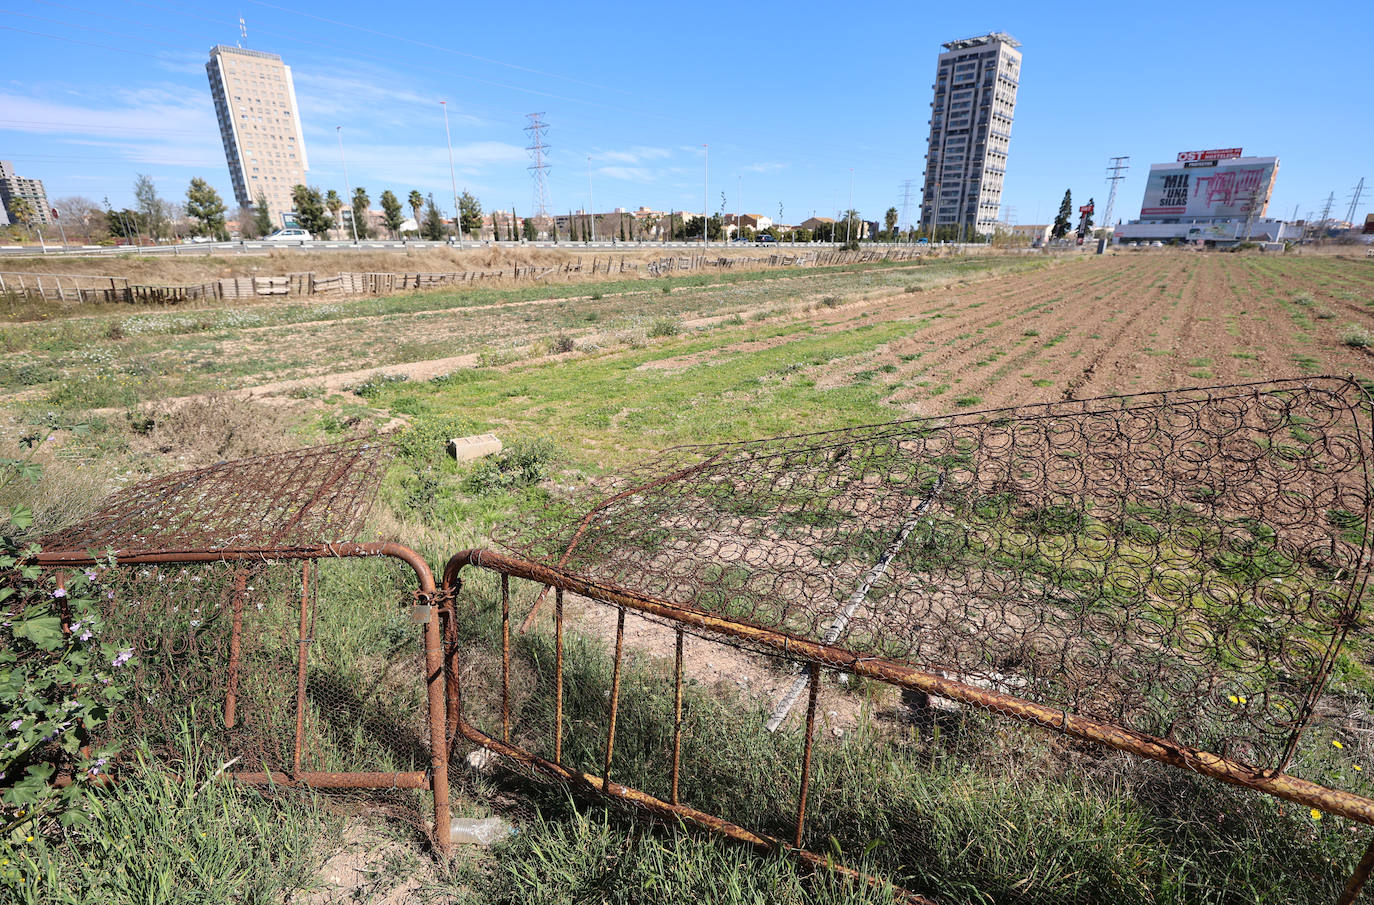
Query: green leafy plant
(522, 464)
(58, 678)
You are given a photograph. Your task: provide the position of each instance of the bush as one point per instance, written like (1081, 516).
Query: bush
(561, 344)
(831, 301)
(665, 326)
(522, 464)
(1358, 338)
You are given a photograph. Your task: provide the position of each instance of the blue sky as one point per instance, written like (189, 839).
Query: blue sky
(788, 96)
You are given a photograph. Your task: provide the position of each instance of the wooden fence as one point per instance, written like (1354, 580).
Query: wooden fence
(79, 288)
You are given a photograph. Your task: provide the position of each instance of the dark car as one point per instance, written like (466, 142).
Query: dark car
(765, 238)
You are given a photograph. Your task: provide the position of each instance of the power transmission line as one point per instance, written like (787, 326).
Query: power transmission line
(539, 169)
(1116, 170)
(1354, 202)
(906, 203)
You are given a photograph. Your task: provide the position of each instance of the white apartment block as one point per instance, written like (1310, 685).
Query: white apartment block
(970, 131)
(260, 124)
(15, 188)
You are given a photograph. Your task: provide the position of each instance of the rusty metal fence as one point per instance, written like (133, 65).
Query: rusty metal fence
(1176, 576)
(219, 584)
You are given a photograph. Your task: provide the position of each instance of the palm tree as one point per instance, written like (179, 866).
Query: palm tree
(22, 211)
(416, 201)
(335, 204)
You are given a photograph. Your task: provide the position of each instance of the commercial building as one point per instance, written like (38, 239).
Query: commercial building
(970, 132)
(260, 125)
(14, 188)
(1215, 197)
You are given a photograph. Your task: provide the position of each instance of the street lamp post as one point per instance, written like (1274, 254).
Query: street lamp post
(452, 177)
(348, 192)
(705, 192)
(591, 201)
(849, 214)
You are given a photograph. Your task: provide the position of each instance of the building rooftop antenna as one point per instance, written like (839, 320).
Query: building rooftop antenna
(243, 31)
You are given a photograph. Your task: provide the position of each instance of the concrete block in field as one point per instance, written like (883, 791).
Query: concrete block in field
(465, 449)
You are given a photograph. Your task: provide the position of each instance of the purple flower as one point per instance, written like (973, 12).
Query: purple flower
(100, 762)
(60, 592)
(16, 724)
(90, 576)
(84, 636)
(124, 656)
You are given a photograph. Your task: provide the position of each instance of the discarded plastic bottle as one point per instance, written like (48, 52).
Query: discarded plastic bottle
(484, 831)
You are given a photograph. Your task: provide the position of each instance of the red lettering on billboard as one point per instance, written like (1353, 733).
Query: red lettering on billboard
(1214, 154)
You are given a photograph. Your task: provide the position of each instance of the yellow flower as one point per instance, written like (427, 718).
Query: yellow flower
(202, 835)
(1235, 700)
(28, 839)
(1337, 744)
(1358, 768)
(1316, 814)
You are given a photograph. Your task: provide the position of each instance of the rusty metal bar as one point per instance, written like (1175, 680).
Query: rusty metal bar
(677, 716)
(438, 750)
(1289, 788)
(1359, 877)
(615, 695)
(231, 690)
(806, 753)
(413, 779)
(302, 647)
(505, 658)
(662, 808)
(557, 677)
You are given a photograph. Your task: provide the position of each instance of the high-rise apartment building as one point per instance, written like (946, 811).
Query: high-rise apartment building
(970, 130)
(260, 124)
(14, 188)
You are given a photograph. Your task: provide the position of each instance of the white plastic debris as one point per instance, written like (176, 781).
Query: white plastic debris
(486, 831)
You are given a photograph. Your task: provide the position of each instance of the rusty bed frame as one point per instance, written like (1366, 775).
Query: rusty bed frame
(436, 608)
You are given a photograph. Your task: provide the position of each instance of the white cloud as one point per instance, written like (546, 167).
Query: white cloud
(770, 167)
(637, 154)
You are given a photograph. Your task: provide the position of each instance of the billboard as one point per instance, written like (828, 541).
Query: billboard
(1211, 189)
(1214, 154)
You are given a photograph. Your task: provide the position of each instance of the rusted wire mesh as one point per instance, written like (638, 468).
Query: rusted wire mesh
(307, 496)
(1184, 565)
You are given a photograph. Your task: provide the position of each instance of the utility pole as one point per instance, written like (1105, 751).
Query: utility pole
(591, 202)
(348, 192)
(705, 191)
(539, 169)
(739, 209)
(1350, 212)
(1116, 171)
(452, 178)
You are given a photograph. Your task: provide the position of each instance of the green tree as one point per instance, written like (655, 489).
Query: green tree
(310, 211)
(531, 230)
(1065, 217)
(206, 207)
(152, 208)
(21, 209)
(334, 203)
(416, 202)
(433, 227)
(391, 213)
(495, 227)
(469, 215)
(360, 205)
(890, 222)
(715, 228)
(262, 215)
